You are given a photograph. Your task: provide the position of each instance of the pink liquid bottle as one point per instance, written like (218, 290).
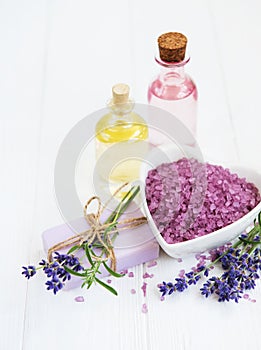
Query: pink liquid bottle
(173, 90)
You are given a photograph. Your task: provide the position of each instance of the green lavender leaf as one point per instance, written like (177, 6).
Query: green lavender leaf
(75, 247)
(109, 288)
(88, 255)
(259, 221)
(74, 272)
(111, 272)
(122, 206)
(247, 241)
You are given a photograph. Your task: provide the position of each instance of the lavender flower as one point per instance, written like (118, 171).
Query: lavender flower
(241, 264)
(54, 284)
(56, 269)
(29, 271)
(180, 285)
(60, 269)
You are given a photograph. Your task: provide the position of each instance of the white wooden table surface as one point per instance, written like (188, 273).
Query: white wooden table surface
(58, 61)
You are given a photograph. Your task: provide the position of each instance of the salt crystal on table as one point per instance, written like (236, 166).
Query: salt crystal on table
(144, 288)
(181, 273)
(147, 275)
(152, 263)
(79, 299)
(144, 308)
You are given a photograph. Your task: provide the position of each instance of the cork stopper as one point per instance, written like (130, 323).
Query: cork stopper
(172, 47)
(120, 93)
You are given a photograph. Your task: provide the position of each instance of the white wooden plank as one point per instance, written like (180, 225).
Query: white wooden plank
(22, 33)
(188, 321)
(238, 30)
(78, 81)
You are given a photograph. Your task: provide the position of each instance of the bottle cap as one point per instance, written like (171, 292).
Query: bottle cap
(172, 47)
(120, 93)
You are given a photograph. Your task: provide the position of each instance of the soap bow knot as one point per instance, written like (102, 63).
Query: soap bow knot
(99, 232)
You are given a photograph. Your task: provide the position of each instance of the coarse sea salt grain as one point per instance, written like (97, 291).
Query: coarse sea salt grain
(144, 308)
(188, 199)
(147, 275)
(79, 299)
(144, 288)
(152, 263)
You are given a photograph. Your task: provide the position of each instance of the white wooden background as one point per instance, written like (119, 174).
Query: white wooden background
(58, 61)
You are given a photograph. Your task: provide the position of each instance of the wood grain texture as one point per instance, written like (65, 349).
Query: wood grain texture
(58, 62)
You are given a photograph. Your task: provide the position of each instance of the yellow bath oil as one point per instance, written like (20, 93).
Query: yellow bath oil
(121, 138)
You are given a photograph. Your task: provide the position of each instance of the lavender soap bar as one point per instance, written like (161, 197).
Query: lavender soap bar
(132, 246)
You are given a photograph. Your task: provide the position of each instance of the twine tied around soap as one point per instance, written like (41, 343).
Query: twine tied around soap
(97, 229)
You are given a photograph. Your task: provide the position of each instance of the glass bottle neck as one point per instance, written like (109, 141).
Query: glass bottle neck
(120, 110)
(172, 73)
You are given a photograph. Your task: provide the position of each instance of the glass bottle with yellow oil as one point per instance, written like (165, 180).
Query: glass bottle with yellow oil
(121, 138)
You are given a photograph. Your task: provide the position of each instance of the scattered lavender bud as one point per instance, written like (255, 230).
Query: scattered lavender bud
(133, 291)
(131, 274)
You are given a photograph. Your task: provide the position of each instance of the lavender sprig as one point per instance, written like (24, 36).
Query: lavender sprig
(241, 264)
(63, 266)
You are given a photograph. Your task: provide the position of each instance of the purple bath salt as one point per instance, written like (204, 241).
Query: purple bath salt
(147, 275)
(144, 288)
(79, 299)
(144, 308)
(152, 263)
(181, 273)
(188, 199)
(133, 291)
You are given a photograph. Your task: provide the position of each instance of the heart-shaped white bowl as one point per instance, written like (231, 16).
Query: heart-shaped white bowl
(211, 240)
